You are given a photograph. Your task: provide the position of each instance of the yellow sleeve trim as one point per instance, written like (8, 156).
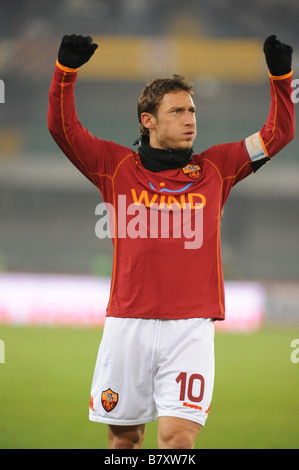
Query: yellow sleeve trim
(66, 69)
(281, 77)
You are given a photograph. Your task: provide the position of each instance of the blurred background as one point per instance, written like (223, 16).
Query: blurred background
(47, 209)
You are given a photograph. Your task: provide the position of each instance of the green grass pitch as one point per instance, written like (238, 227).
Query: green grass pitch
(45, 383)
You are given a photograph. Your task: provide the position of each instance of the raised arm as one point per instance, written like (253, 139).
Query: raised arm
(95, 158)
(279, 128)
(73, 139)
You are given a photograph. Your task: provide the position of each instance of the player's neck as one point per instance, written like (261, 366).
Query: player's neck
(156, 159)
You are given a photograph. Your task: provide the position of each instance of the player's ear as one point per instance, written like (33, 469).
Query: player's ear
(148, 120)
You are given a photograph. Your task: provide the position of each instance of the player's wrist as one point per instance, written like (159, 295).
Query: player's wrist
(66, 69)
(281, 77)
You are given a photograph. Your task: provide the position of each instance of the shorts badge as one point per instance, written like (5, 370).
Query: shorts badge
(192, 171)
(109, 400)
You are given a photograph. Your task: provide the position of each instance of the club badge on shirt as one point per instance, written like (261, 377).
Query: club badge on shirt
(192, 171)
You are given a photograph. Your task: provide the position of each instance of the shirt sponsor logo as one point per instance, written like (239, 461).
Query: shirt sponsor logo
(192, 200)
(166, 190)
(153, 216)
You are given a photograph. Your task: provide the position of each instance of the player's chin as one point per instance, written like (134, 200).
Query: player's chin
(189, 139)
(185, 145)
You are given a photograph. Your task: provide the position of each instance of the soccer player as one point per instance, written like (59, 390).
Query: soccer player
(156, 357)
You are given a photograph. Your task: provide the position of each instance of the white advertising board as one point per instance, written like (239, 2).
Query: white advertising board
(71, 300)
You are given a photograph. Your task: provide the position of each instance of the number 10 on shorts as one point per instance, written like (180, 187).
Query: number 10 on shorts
(191, 388)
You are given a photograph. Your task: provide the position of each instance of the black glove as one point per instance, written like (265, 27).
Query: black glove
(75, 50)
(278, 56)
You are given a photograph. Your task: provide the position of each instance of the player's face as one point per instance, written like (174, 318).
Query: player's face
(174, 126)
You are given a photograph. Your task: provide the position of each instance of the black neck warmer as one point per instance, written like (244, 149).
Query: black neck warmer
(154, 159)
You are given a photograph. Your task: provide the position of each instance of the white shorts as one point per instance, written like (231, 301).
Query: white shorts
(148, 368)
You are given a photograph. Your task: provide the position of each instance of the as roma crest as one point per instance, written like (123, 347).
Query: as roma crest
(109, 399)
(192, 171)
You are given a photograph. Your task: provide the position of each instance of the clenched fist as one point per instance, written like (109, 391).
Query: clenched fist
(278, 56)
(75, 50)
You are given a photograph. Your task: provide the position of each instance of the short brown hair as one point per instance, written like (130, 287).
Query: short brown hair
(153, 93)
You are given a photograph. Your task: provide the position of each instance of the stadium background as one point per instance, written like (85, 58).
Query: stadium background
(47, 208)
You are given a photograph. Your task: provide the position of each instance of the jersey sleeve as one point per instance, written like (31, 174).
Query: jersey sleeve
(279, 128)
(231, 164)
(94, 157)
(234, 161)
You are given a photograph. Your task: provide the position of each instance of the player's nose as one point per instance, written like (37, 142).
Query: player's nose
(189, 118)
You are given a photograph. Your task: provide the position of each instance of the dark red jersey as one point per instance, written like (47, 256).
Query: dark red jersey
(166, 224)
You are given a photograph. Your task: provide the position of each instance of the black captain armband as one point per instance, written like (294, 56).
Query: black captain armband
(256, 151)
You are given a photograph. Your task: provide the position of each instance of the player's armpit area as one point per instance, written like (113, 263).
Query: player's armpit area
(257, 164)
